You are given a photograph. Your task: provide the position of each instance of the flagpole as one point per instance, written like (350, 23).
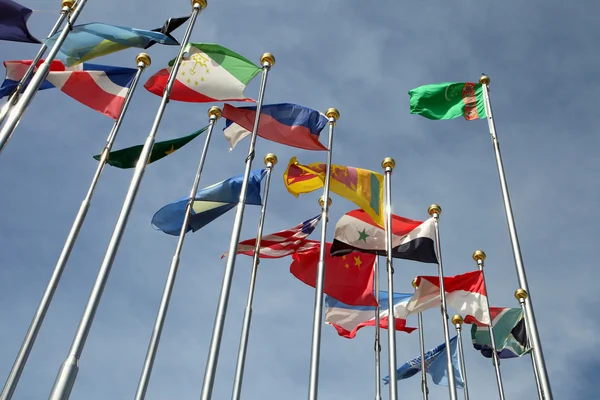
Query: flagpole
(457, 320)
(315, 351)
(424, 387)
(14, 96)
(270, 161)
(15, 115)
(521, 295)
(479, 257)
(214, 113)
(267, 61)
(435, 211)
(68, 371)
(143, 61)
(377, 333)
(538, 354)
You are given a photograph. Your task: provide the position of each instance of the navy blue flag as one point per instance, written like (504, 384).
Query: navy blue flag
(13, 22)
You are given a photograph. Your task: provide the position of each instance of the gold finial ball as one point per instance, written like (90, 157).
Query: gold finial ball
(215, 112)
(267, 58)
(271, 158)
(457, 320)
(68, 3)
(388, 162)
(479, 255)
(201, 3)
(484, 80)
(434, 209)
(521, 294)
(333, 113)
(143, 58)
(321, 201)
(414, 283)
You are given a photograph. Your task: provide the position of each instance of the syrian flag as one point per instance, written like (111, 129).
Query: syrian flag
(411, 240)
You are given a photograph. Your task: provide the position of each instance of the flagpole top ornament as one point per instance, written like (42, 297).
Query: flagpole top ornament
(68, 3)
(267, 58)
(270, 158)
(484, 80)
(457, 320)
(214, 112)
(414, 283)
(388, 162)
(321, 201)
(478, 255)
(143, 58)
(333, 113)
(434, 209)
(520, 294)
(201, 3)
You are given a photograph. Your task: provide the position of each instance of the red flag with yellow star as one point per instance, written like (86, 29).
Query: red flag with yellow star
(348, 279)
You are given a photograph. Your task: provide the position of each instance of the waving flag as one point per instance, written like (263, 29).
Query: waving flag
(13, 22)
(448, 100)
(209, 204)
(101, 87)
(169, 26)
(285, 123)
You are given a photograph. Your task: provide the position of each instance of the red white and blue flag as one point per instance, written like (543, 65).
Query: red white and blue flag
(100, 87)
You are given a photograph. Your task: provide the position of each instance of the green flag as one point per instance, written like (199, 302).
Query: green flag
(127, 158)
(448, 100)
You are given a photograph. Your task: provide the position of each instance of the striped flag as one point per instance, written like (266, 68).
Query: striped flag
(282, 243)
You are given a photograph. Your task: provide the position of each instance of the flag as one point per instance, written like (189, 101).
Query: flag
(169, 26)
(510, 333)
(436, 365)
(284, 123)
(13, 22)
(411, 240)
(208, 74)
(128, 157)
(96, 39)
(448, 100)
(282, 243)
(101, 87)
(362, 187)
(347, 320)
(348, 279)
(209, 204)
(465, 293)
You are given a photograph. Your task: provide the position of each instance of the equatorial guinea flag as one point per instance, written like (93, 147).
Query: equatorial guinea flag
(411, 240)
(208, 74)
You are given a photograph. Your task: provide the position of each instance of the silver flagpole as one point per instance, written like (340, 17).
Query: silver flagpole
(143, 61)
(66, 7)
(479, 257)
(214, 113)
(521, 295)
(267, 61)
(377, 333)
(270, 161)
(68, 371)
(435, 211)
(538, 354)
(15, 115)
(424, 387)
(457, 320)
(388, 164)
(315, 351)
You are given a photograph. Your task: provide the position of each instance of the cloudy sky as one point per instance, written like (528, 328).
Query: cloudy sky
(361, 58)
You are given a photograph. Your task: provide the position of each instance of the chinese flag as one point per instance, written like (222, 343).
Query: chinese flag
(348, 279)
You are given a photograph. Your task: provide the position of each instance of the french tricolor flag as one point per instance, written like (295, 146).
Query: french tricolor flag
(347, 320)
(100, 87)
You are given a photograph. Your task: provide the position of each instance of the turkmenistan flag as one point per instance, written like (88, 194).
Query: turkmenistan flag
(448, 100)
(128, 157)
(207, 74)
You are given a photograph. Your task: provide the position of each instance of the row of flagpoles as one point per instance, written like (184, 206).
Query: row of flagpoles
(13, 112)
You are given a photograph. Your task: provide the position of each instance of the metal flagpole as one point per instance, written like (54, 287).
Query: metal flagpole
(424, 387)
(143, 61)
(377, 333)
(388, 164)
(66, 7)
(538, 354)
(270, 161)
(435, 211)
(479, 257)
(521, 295)
(15, 115)
(214, 113)
(315, 351)
(457, 320)
(267, 61)
(68, 371)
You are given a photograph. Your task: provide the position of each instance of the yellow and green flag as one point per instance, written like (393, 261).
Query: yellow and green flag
(448, 100)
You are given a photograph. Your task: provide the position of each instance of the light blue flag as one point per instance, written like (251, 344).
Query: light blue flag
(209, 204)
(436, 365)
(96, 39)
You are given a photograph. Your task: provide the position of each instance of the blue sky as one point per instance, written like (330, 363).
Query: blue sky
(361, 58)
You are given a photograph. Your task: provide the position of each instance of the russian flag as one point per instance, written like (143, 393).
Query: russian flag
(285, 123)
(347, 320)
(100, 87)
